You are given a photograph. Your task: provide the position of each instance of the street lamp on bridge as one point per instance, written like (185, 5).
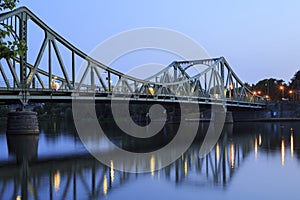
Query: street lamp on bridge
(259, 92)
(267, 97)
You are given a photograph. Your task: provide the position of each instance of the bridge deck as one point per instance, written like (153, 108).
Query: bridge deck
(41, 95)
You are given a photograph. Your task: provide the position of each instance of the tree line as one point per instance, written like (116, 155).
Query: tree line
(277, 90)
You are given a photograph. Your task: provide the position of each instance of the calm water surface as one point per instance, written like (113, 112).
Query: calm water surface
(250, 161)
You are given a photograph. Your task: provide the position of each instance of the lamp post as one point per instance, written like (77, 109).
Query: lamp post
(267, 87)
(267, 97)
(291, 94)
(282, 91)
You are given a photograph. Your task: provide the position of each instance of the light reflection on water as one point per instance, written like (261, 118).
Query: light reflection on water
(250, 161)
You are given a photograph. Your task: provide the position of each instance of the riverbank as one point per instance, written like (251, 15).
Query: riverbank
(283, 119)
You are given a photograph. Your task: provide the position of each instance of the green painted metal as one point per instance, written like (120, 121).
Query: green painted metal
(216, 83)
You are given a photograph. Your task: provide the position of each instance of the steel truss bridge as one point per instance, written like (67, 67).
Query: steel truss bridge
(50, 71)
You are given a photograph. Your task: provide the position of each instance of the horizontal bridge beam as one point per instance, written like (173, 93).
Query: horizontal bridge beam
(69, 95)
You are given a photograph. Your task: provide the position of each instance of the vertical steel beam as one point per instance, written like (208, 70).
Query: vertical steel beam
(175, 77)
(49, 65)
(14, 69)
(205, 83)
(108, 80)
(23, 57)
(92, 78)
(222, 71)
(135, 86)
(73, 69)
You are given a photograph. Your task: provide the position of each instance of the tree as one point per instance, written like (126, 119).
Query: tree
(247, 85)
(269, 87)
(10, 44)
(295, 81)
(8, 4)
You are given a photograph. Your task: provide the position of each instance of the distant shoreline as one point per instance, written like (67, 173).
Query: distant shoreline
(281, 119)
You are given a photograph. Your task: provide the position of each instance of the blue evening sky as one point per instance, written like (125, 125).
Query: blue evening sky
(259, 39)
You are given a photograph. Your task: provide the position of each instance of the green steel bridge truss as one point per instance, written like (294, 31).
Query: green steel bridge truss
(50, 72)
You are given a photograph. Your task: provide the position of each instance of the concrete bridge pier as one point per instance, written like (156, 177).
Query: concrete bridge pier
(22, 123)
(22, 134)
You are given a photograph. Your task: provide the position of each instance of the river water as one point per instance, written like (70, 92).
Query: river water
(250, 161)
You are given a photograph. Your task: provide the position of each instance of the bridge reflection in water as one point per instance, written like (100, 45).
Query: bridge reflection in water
(80, 176)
